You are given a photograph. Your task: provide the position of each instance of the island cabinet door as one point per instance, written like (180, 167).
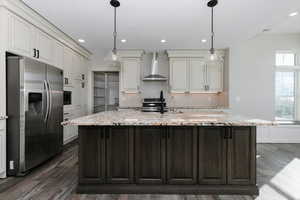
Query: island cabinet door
(212, 155)
(150, 158)
(182, 155)
(242, 156)
(91, 155)
(119, 155)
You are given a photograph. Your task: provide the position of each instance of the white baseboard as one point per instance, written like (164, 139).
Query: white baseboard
(278, 134)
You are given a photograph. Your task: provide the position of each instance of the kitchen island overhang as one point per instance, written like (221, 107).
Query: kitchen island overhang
(129, 152)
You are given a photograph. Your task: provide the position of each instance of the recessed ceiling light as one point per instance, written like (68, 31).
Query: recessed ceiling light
(293, 14)
(163, 41)
(81, 40)
(203, 40)
(123, 40)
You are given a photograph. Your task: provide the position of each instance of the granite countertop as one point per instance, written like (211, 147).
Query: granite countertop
(138, 118)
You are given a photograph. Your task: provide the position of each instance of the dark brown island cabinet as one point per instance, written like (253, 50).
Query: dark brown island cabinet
(167, 160)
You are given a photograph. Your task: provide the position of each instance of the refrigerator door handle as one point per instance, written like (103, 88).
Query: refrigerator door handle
(48, 101)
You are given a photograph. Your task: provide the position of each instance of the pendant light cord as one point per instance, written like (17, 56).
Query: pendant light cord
(212, 30)
(115, 31)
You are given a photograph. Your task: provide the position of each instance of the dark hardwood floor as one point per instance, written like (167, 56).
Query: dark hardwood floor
(278, 177)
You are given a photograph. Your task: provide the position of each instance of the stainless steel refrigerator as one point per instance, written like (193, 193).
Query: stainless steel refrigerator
(35, 113)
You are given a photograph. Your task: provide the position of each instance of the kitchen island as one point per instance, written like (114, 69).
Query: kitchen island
(130, 152)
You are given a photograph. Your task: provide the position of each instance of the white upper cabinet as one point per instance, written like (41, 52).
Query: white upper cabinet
(130, 72)
(68, 64)
(197, 75)
(179, 69)
(19, 36)
(58, 55)
(43, 44)
(214, 76)
(27, 40)
(193, 72)
(76, 68)
(130, 75)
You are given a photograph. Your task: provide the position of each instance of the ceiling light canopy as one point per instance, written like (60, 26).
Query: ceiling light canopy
(81, 40)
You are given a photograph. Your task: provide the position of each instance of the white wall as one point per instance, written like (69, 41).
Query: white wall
(251, 76)
(252, 84)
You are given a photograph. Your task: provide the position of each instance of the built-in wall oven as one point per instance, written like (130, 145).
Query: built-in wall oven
(67, 98)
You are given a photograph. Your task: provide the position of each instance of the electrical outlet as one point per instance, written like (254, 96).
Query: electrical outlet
(11, 165)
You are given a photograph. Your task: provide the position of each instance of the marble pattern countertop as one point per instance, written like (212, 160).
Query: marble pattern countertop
(138, 118)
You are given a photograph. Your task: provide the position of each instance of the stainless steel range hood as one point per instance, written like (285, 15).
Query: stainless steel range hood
(154, 76)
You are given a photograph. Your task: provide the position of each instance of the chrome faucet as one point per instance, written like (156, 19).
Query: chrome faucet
(162, 101)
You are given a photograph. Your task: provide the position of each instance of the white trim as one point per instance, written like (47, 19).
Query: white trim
(131, 53)
(287, 67)
(203, 53)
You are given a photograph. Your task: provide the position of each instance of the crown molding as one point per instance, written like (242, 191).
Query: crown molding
(19, 8)
(203, 53)
(124, 53)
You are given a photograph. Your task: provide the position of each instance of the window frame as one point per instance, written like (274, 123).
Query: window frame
(296, 70)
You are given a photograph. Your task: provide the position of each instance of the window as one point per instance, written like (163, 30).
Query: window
(285, 59)
(286, 81)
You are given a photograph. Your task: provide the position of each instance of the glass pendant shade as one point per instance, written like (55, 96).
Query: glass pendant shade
(113, 58)
(213, 57)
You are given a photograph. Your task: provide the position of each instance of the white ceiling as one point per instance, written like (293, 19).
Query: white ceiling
(183, 23)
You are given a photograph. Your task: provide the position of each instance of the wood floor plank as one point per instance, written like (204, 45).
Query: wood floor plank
(278, 171)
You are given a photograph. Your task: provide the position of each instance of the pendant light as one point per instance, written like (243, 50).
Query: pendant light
(212, 4)
(113, 57)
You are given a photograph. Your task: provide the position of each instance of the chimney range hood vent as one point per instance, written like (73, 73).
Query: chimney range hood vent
(154, 76)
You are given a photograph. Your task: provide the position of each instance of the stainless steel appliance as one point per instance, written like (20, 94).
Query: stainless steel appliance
(154, 75)
(35, 111)
(155, 104)
(106, 91)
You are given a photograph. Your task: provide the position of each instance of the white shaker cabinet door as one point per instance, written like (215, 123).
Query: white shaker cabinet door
(215, 76)
(197, 75)
(130, 74)
(179, 68)
(20, 36)
(58, 52)
(2, 149)
(44, 44)
(68, 66)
